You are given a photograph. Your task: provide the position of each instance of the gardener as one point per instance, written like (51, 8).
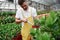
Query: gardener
(25, 15)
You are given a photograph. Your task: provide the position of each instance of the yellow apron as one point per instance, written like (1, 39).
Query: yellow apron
(25, 31)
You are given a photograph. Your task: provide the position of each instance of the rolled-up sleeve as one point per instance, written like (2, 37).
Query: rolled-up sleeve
(18, 14)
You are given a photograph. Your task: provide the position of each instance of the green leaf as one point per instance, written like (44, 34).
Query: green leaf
(45, 36)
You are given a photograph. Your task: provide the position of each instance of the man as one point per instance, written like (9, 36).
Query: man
(23, 16)
(26, 11)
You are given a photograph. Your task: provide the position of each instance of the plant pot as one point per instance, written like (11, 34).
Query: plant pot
(34, 26)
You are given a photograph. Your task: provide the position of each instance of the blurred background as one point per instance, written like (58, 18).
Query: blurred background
(49, 27)
(11, 5)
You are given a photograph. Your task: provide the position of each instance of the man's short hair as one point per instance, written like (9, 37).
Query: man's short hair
(20, 2)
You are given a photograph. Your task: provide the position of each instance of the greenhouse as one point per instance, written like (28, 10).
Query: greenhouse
(29, 19)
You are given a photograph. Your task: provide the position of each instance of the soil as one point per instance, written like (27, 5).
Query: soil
(18, 37)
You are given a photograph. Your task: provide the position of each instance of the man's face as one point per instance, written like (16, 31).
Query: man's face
(24, 6)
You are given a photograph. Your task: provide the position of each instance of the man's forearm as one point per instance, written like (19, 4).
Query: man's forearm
(39, 16)
(19, 21)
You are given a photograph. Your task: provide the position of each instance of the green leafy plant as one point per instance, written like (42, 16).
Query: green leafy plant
(8, 13)
(52, 24)
(8, 31)
(7, 20)
(36, 22)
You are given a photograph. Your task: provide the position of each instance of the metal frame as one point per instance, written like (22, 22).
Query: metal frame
(37, 7)
(1, 2)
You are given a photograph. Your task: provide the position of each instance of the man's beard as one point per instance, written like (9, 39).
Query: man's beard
(25, 8)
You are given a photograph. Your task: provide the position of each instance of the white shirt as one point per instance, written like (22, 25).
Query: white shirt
(20, 12)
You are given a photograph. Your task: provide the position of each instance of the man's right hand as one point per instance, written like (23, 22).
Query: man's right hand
(19, 21)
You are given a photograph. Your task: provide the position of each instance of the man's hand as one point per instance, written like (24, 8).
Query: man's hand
(24, 20)
(19, 21)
